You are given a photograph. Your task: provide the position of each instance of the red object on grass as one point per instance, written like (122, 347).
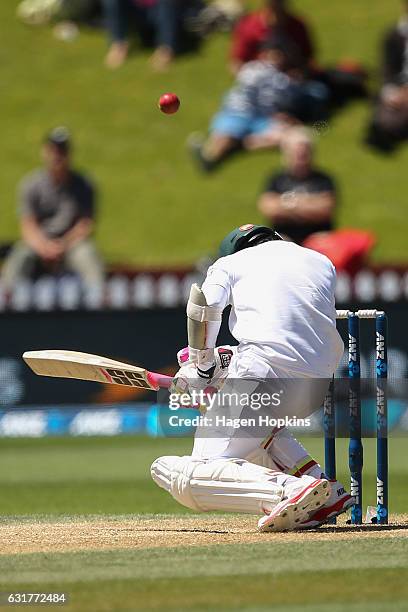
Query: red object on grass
(347, 249)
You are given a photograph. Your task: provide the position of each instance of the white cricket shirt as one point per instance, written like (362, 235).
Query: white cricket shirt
(282, 298)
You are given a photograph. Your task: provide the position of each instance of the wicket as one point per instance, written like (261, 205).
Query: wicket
(354, 404)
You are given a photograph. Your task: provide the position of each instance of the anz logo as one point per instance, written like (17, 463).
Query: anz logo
(380, 364)
(380, 401)
(380, 345)
(354, 366)
(380, 491)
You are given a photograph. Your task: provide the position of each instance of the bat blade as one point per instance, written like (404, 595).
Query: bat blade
(85, 366)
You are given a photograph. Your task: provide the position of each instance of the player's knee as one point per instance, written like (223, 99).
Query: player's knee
(174, 474)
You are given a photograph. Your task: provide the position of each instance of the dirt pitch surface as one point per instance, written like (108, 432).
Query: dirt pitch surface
(107, 533)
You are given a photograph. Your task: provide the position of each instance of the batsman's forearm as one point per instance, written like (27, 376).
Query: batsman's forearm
(204, 316)
(217, 298)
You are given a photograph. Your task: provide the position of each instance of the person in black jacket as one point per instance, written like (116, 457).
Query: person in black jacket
(390, 121)
(301, 199)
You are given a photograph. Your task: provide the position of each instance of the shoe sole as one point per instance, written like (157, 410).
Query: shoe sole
(289, 514)
(333, 512)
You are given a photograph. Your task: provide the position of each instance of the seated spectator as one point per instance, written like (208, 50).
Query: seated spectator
(253, 30)
(57, 219)
(214, 16)
(344, 81)
(159, 21)
(390, 122)
(300, 200)
(269, 95)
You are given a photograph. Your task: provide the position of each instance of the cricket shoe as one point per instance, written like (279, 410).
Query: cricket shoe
(338, 502)
(302, 499)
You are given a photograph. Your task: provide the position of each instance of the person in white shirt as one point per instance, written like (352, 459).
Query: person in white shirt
(284, 319)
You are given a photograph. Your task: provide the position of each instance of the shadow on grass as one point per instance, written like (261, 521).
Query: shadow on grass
(359, 528)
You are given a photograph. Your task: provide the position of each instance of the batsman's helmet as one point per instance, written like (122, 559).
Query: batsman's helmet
(246, 236)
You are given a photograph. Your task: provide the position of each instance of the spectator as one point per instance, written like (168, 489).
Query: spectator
(344, 81)
(160, 20)
(254, 29)
(257, 111)
(57, 218)
(40, 12)
(300, 200)
(390, 122)
(215, 15)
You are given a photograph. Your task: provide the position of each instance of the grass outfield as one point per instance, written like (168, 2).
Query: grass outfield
(111, 475)
(138, 157)
(79, 510)
(320, 575)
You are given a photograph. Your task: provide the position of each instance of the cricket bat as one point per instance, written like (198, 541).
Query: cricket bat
(84, 366)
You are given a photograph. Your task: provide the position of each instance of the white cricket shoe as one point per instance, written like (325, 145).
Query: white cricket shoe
(338, 502)
(303, 496)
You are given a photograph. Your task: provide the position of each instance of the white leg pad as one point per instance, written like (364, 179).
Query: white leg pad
(262, 457)
(231, 485)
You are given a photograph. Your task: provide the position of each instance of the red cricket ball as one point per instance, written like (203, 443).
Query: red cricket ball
(169, 103)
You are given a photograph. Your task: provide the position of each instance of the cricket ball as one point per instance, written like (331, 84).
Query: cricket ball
(169, 103)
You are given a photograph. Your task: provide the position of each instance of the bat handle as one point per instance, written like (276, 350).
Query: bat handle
(159, 381)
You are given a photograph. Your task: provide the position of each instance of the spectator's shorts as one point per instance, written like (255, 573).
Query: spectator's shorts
(239, 126)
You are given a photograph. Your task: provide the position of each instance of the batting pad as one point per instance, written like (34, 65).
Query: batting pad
(231, 485)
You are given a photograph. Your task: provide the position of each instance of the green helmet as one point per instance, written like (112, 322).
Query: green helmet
(242, 237)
